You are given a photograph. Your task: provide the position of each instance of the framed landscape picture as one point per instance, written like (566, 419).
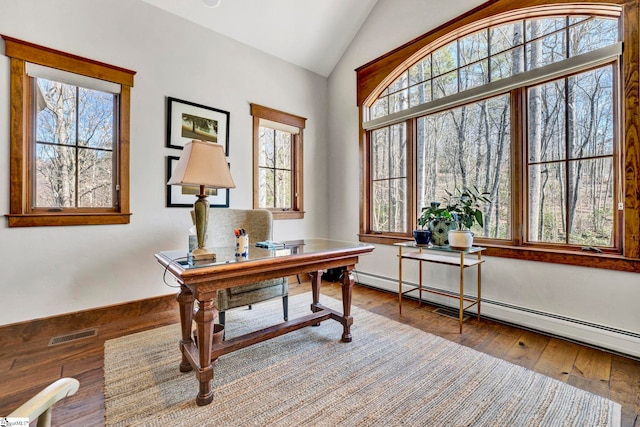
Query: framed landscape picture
(187, 121)
(184, 197)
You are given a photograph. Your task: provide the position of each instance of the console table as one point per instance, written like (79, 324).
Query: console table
(441, 255)
(200, 283)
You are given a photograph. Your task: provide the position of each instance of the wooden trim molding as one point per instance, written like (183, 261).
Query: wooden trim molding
(278, 116)
(41, 330)
(631, 61)
(42, 55)
(61, 219)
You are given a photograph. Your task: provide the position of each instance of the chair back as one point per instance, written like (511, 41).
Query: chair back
(258, 224)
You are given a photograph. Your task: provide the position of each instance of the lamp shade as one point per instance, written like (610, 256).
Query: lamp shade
(202, 163)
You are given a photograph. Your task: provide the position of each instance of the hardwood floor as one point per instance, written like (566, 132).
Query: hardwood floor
(30, 365)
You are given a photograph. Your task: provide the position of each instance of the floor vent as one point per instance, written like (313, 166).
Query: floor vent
(74, 336)
(450, 312)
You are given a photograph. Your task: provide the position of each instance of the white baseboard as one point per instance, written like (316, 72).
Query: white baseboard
(572, 329)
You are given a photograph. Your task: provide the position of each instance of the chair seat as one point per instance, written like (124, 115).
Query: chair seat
(239, 290)
(228, 300)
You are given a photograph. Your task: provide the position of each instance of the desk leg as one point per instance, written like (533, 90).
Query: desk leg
(347, 288)
(185, 301)
(316, 281)
(204, 321)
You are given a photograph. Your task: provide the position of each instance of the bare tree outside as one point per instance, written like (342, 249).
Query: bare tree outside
(571, 164)
(74, 146)
(275, 163)
(389, 186)
(470, 144)
(569, 143)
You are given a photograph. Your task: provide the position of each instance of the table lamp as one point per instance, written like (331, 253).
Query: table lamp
(202, 164)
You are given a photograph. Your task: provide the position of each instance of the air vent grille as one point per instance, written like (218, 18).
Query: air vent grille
(73, 336)
(450, 312)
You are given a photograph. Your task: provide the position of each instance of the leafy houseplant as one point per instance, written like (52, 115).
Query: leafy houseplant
(464, 208)
(432, 212)
(437, 221)
(422, 235)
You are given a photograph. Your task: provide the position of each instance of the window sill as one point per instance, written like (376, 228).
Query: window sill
(280, 214)
(555, 256)
(61, 219)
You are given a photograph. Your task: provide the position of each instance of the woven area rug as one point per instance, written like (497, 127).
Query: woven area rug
(391, 374)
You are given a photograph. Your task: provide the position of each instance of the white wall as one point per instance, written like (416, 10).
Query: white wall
(53, 270)
(605, 298)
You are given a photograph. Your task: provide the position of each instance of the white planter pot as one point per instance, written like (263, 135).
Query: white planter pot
(460, 239)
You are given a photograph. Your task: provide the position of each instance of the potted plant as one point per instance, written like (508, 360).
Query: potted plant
(434, 222)
(464, 207)
(422, 235)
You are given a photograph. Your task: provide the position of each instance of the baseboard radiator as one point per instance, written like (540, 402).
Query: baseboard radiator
(596, 335)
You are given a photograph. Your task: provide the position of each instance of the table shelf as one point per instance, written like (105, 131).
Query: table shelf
(447, 256)
(441, 259)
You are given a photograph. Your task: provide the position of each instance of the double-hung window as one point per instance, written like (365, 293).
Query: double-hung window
(526, 105)
(69, 138)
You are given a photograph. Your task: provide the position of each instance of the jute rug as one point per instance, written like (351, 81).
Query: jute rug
(391, 374)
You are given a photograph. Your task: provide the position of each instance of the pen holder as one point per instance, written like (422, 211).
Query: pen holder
(242, 246)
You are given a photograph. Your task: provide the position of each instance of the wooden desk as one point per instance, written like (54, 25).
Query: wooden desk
(200, 283)
(447, 256)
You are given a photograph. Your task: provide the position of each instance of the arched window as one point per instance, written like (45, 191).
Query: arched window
(524, 104)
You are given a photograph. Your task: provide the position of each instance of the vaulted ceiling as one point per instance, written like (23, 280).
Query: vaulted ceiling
(312, 34)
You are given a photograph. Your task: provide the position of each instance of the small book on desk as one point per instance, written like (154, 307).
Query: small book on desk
(270, 244)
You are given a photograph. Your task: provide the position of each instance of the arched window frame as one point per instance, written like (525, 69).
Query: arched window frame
(375, 76)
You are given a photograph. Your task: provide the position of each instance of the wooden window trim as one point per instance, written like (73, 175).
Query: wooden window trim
(20, 213)
(260, 112)
(375, 74)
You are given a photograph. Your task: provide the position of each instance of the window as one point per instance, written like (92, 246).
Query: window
(570, 160)
(277, 162)
(465, 146)
(526, 105)
(69, 139)
(389, 178)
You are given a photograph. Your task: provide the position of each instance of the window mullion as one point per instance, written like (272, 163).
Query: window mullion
(519, 166)
(567, 129)
(389, 178)
(274, 169)
(77, 149)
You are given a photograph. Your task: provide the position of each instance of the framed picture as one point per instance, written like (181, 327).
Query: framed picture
(184, 197)
(187, 121)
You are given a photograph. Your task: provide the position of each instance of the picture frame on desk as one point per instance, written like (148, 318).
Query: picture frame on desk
(184, 197)
(187, 121)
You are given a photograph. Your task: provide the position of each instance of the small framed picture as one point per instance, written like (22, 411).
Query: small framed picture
(184, 197)
(187, 121)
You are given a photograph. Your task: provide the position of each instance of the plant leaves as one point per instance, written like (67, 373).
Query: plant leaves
(478, 215)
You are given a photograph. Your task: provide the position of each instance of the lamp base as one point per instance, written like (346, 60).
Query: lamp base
(202, 254)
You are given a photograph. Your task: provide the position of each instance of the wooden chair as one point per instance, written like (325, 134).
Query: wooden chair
(258, 224)
(39, 406)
